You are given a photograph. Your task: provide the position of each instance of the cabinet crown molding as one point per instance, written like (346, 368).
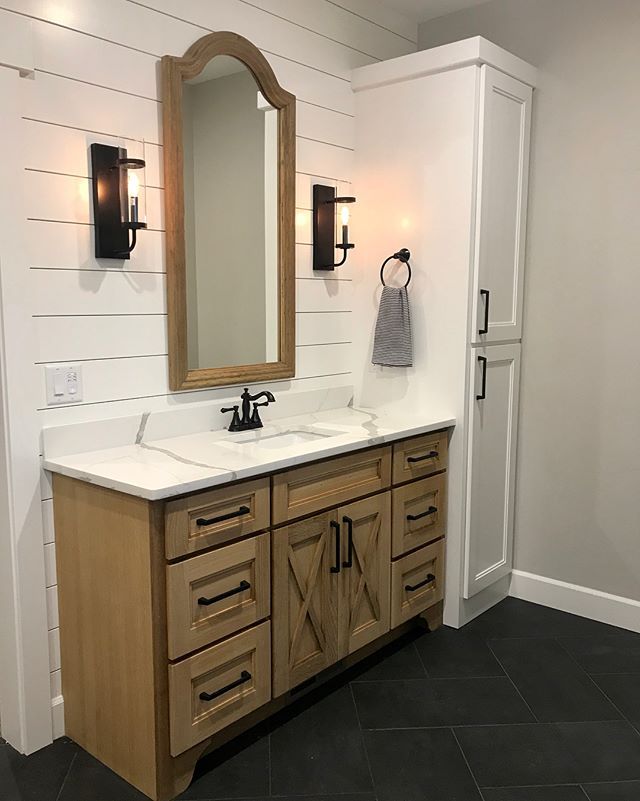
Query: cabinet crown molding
(468, 52)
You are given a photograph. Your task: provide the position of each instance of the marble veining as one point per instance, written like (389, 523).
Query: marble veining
(164, 468)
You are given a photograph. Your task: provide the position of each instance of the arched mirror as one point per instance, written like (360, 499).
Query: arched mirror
(229, 167)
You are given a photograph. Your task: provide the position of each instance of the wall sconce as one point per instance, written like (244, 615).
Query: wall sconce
(325, 204)
(119, 200)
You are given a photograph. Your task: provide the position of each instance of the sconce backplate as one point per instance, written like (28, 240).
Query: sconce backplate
(111, 237)
(324, 227)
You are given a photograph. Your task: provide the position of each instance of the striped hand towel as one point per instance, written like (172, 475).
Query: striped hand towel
(392, 342)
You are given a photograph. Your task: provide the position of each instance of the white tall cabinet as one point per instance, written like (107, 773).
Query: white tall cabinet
(442, 160)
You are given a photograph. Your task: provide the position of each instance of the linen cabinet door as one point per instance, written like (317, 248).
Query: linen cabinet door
(504, 125)
(305, 572)
(493, 430)
(365, 583)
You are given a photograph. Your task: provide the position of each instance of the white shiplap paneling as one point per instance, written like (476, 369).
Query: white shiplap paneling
(65, 198)
(48, 530)
(70, 339)
(56, 148)
(315, 328)
(71, 246)
(90, 292)
(383, 15)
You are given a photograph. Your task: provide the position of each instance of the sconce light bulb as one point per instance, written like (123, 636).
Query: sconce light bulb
(344, 214)
(134, 184)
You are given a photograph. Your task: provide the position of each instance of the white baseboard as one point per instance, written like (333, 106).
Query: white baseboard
(57, 716)
(582, 601)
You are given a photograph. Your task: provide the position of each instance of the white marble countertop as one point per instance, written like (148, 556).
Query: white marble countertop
(164, 468)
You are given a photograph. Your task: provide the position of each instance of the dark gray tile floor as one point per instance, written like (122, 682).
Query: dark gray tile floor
(524, 704)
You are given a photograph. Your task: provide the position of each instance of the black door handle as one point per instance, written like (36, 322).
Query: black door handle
(483, 391)
(485, 328)
(203, 521)
(411, 587)
(349, 522)
(430, 455)
(244, 585)
(245, 676)
(430, 511)
(336, 526)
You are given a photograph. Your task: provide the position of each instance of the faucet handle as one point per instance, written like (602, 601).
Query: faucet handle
(256, 422)
(235, 420)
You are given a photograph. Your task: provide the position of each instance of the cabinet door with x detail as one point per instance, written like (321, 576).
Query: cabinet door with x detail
(364, 607)
(305, 600)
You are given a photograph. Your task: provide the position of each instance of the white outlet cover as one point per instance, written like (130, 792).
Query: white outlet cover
(64, 383)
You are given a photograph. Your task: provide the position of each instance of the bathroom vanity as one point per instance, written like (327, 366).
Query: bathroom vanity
(186, 616)
(206, 578)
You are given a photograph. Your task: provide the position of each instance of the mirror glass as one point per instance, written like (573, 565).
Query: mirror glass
(230, 173)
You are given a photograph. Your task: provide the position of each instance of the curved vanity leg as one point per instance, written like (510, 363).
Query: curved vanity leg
(433, 616)
(178, 772)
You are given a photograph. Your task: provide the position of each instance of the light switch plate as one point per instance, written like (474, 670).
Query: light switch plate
(64, 383)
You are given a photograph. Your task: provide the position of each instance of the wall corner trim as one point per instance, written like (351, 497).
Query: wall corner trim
(583, 601)
(57, 716)
(16, 43)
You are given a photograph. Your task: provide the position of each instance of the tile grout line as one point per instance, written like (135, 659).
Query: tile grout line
(420, 659)
(66, 776)
(533, 786)
(362, 740)
(494, 726)
(466, 761)
(600, 690)
(524, 701)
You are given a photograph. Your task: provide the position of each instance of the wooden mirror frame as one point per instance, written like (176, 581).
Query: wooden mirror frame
(175, 70)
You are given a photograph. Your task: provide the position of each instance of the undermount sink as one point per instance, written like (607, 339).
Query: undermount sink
(285, 439)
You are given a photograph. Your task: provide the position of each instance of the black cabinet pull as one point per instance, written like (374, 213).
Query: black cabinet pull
(411, 587)
(483, 391)
(349, 522)
(430, 455)
(430, 511)
(485, 328)
(336, 526)
(204, 521)
(245, 676)
(244, 585)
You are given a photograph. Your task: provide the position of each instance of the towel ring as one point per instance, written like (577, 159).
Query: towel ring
(402, 255)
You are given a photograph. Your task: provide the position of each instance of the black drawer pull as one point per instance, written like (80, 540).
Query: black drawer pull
(483, 392)
(349, 522)
(245, 676)
(203, 521)
(244, 585)
(411, 587)
(485, 327)
(336, 526)
(430, 455)
(430, 511)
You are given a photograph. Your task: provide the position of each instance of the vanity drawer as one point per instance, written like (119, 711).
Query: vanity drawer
(419, 456)
(236, 677)
(423, 571)
(419, 513)
(309, 489)
(215, 517)
(217, 593)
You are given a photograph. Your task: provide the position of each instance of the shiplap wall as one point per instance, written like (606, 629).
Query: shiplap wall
(97, 80)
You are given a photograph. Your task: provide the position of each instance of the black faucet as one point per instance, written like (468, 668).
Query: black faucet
(249, 420)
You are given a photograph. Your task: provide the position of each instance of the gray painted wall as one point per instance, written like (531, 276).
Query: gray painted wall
(577, 514)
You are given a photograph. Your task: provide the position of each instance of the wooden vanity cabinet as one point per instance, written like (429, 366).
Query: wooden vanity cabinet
(184, 622)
